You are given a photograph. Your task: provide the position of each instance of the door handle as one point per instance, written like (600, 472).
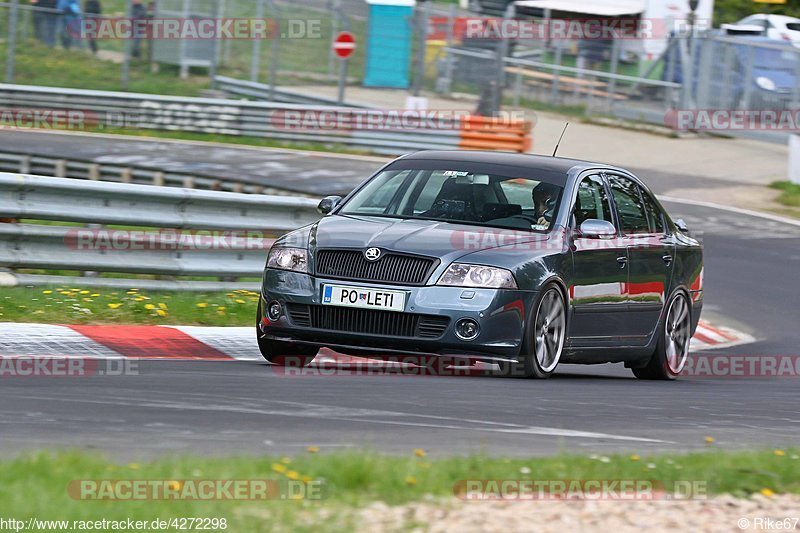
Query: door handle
(622, 260)
(667, 259)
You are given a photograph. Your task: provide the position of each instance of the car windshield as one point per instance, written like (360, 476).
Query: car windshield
(459, 196)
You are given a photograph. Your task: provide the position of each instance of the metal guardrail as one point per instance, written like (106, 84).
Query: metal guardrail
(229, 233)
(263, 92)
(43, 165)
(223, 116)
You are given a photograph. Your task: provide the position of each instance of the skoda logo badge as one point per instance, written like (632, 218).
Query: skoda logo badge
(372, 254)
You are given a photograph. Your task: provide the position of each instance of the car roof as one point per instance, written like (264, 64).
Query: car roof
(542, 162)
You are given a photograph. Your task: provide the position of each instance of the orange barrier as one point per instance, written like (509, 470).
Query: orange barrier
(489, 133)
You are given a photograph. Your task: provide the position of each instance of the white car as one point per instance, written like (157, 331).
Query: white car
(778, 27)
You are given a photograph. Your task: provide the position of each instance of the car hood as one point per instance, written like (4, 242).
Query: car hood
(445, 240)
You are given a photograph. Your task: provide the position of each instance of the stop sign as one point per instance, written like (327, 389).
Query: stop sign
(345, 44)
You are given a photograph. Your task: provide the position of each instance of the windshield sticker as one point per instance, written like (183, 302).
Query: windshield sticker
(449, 173)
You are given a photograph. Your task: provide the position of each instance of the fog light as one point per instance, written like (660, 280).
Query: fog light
(274, 311)
(467, 329)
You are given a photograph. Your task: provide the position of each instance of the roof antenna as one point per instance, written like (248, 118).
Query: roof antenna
(559, 139)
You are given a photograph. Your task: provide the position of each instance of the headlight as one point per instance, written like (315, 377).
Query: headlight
(295, 259)
(463, 275)
(765, 83)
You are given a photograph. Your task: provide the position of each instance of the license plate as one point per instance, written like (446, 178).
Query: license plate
(365, 298)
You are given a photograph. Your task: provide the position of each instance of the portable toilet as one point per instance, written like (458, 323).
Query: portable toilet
(389, 37)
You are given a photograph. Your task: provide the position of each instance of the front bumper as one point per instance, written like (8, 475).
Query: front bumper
(499, 313)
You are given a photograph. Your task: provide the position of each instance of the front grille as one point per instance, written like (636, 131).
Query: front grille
(390, 268)
(368, 321)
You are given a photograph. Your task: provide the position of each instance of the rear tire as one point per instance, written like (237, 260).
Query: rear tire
(545, 336)
(672, 349)
(283, 353)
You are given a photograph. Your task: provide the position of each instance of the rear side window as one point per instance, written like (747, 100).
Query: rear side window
(630, 206)
(794, 26)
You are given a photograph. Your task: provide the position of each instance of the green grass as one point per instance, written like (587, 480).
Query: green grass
(76, 305)
(35, 485)
(234, 139)
(790, 195)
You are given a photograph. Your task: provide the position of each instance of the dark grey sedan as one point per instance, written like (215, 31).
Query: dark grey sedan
(519, 260)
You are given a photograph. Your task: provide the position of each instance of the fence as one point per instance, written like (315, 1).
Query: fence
(613, 77)
(297, 50)
(373, 130)
(228, 233)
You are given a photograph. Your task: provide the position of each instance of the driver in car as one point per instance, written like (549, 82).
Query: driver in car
(544, 200)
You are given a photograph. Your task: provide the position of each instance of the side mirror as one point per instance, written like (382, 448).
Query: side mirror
(681, 225)
(327, 204)
(597, 229)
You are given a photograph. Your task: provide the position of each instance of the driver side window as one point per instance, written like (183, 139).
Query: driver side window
(592, 201)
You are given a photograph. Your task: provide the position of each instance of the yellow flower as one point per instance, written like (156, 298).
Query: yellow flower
(163, 306)
(709, 440)
(174, 485)
(85, 292)
(239, 301)
(313, 449)
(140, 298)
(133, 466)
(47, 292)
(221, 308)
(114, 306)
(161, 312)
(767, 492)
(635, 457)
(133, 290)
(306, 479)
(419, 452)
(149, 306)
(279, 468)
(88, 300)
(95, 294)
(779, 453)
(202, 305)
(291, 474)
(411, 480)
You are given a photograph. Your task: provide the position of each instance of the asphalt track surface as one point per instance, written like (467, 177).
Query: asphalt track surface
(223, 408)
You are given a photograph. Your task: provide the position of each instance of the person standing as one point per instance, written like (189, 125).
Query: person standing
(49, 17)
(70, 15)
(138, 13)
(92, 9)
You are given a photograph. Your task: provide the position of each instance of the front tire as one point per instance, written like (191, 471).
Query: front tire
(283, 353)
(672, 349)
(544, 337)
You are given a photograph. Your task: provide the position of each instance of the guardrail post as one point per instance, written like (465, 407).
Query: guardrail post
(188, 182)
(126, 175)
(158, 179)
(60, 168)
(12, 39)
(25, 164)
(238, 187)
(94, 172)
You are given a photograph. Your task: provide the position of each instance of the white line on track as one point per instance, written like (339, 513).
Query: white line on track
(730, 209)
